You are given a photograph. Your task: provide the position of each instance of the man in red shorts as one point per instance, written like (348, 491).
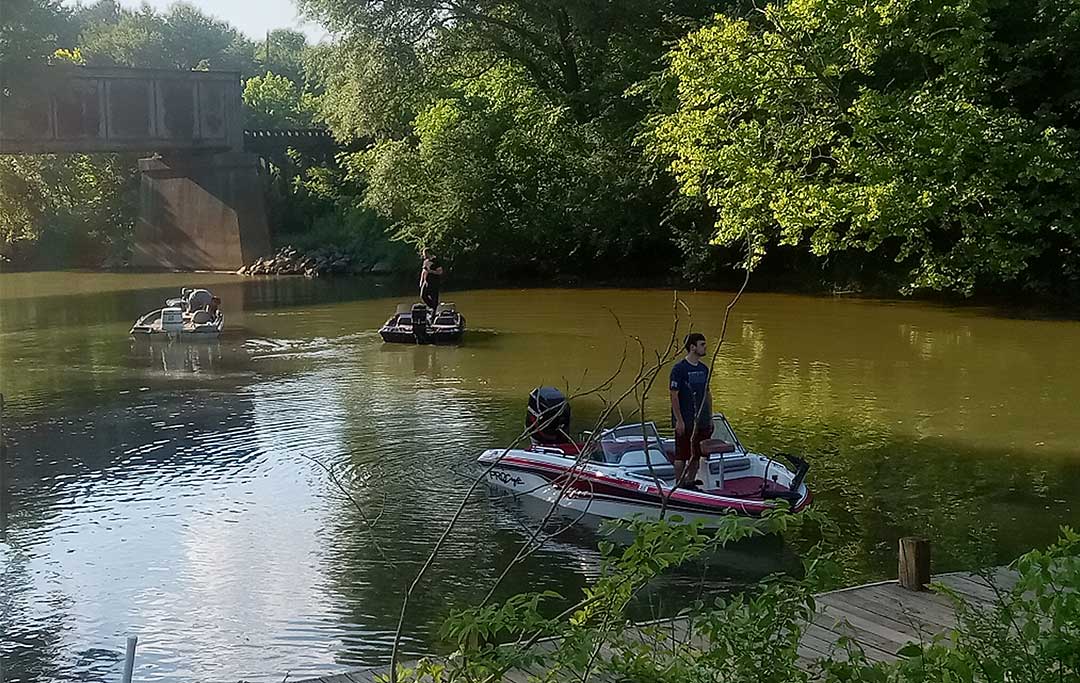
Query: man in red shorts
(691, 410)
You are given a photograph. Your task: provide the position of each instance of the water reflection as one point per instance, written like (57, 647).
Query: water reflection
(177, 357)
(161, 488)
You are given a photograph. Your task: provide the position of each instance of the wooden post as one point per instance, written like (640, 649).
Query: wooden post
(914, 570)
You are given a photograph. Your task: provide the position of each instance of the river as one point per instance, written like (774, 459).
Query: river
(167, 490)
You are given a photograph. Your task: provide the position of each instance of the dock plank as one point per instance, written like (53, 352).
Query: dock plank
(862, 630)
(865, 620)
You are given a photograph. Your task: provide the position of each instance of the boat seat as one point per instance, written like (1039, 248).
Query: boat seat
(716, 446)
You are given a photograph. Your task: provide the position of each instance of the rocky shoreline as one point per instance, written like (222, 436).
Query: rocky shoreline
(315, 263)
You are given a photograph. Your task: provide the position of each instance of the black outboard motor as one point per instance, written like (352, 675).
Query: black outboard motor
(419, 321)
(548, 416)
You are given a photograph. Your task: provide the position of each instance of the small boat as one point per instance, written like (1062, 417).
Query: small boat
(411, 324)
(184, 316)
(626, 472)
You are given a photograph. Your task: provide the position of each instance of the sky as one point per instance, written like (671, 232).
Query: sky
(253, 17)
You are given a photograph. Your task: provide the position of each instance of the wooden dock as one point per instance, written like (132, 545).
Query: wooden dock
(880, 617)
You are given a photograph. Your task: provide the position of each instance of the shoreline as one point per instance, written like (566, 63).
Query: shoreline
(1008, 305)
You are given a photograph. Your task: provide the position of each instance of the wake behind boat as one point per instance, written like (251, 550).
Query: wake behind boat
(627, 471)
(194, 314)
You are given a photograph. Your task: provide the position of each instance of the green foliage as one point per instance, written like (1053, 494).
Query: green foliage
(502, 133)
(497, 176)
(274, 101)
(284, 52)
(184, 37)
(321, 207)
(832, 128)
(31, 30)
(372, 89)
(66, 209)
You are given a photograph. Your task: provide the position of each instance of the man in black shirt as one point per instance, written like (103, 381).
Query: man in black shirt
(691, 409)
(430, 280)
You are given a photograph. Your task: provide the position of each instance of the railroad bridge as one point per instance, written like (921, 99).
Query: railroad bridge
(201, 201)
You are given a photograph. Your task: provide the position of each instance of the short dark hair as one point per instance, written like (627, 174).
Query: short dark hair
(693, 338)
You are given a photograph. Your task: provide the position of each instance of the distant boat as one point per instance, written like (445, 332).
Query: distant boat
(410, 324)
(186, 316)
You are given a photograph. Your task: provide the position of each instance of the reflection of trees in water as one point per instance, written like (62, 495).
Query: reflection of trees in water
(880, 487)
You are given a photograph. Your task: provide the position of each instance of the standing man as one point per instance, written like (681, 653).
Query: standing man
(430, 280)
(691, 409)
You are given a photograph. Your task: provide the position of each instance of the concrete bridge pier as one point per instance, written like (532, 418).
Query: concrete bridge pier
(200, 211)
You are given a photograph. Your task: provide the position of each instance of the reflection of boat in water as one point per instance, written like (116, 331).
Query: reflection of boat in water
(626, 472)
(176, 358)
(194, 314)
(410, 325)
(575, 538)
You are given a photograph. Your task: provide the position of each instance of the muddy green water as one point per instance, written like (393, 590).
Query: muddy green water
(161, 489)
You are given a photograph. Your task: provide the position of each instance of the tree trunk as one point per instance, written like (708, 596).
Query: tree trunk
(568, 62)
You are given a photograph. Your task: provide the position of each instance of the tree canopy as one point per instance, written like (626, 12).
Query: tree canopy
(906, 127)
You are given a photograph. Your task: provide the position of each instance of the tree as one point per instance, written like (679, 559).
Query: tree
(496, 175)
(274, 101)
(31, 30)
(580, 52)
(283, 52)
(505, 125)
(886, 128)
(78, 207)
(371, 89)
(182, 38)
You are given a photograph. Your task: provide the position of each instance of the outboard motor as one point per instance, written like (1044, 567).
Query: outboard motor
(548, 416)
(419, 321)
(172, 320)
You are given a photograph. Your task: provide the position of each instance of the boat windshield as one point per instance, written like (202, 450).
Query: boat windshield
(635, 432)
(625, 445)
(722, 430)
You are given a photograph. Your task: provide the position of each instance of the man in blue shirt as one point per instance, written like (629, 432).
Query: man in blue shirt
(691, 409)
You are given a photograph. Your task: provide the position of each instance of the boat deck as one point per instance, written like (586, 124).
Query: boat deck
(879, 617)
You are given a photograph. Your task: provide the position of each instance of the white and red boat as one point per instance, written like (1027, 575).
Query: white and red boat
(626, 471)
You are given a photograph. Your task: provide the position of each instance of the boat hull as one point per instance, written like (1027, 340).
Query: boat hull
(150, 326)
(142, 331)
(397, 336)
(605, 493)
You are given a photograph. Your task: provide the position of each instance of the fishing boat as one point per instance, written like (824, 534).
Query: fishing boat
(626, 471)
(413, 324)
(194, 314)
